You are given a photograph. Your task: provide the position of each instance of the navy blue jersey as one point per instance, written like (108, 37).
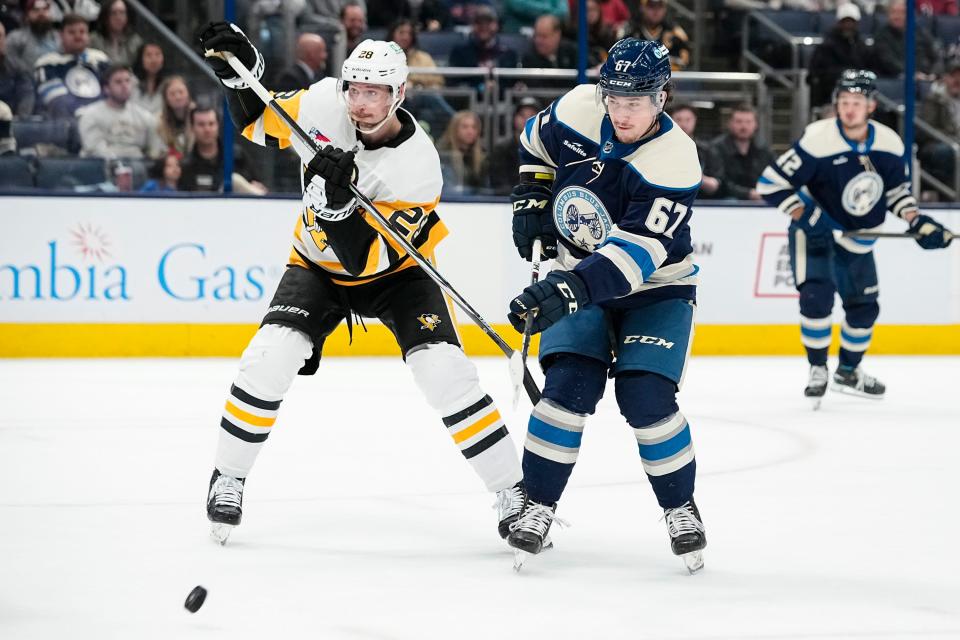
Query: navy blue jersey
(622, 211)
(853, 183)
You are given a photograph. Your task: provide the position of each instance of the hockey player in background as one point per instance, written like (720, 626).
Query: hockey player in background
(844, 173)
(607, 182)
(343, 262)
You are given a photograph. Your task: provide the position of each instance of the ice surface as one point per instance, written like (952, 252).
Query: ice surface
(362, 520)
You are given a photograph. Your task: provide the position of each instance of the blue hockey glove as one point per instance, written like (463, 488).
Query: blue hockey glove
(932, 233)
(224, 36)
(327, 179)
(816, 229)
(532, 219)
(559, 294)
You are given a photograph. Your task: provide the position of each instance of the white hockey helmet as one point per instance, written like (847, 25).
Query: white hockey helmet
(377, 62)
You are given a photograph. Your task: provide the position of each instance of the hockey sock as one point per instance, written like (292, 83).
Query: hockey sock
(450, 383)
(267, 369)
(854, 342)
(550, 450)
(666, 451)
(815, 336)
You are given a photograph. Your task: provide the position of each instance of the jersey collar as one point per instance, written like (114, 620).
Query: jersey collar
(858, 147)
(610, 148)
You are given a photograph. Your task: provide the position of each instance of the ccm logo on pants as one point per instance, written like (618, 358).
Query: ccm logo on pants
(659, 342)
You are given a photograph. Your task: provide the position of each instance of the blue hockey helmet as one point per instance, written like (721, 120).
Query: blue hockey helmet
(635, 67)
(856, 81)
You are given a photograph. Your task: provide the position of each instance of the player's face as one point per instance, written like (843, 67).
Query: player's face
(631, 116)
(368, 104)
(853, 109)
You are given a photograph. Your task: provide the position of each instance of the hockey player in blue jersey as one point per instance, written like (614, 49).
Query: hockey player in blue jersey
(607, 182)
(844, 173)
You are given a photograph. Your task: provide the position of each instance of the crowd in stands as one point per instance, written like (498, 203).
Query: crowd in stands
(86, 71)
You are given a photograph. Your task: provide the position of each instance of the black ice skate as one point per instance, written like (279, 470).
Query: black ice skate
(509, 505)
(224, 505)
(858, 383)
(816, 384)
(528, 535)
(687, 535)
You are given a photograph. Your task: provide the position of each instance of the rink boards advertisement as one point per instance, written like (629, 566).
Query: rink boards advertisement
(114, 276)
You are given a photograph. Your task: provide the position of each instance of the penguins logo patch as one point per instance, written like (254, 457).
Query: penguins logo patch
(862, 193)
(429, 321)
(581, 217)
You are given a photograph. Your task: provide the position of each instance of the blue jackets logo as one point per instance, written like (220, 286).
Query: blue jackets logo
(862, 193)
(581, 218)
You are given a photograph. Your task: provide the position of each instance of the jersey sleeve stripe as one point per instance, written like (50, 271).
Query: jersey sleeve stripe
(653, 246)
(625, 263)
(531, 142)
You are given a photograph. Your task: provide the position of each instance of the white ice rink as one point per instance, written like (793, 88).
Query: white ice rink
(362, 521)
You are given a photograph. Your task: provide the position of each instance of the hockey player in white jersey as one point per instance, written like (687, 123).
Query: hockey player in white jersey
(343, 262)
(607, 182)
(844, 173)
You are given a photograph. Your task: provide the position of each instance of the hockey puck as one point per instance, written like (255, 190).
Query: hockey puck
(195, 600)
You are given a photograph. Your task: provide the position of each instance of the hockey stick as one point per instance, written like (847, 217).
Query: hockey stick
(947, 235)
(528, 382)
(518, 360)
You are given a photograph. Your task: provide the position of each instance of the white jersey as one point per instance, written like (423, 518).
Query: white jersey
(401, 178)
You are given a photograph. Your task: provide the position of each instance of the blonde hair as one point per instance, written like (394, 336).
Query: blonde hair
(469, 163)
(176, 134)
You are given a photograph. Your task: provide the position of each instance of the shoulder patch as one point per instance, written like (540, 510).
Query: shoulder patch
(578, 109)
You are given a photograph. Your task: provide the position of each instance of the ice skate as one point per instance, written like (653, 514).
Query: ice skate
(816, 384)
(858, 383)
(687, 535)
(224, 505)
(509, 505)
(528, 534)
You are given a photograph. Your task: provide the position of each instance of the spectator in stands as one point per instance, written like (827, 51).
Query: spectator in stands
(741, 155)
(613, 13)
(941, 110)
(82, 65)
(652, 24)
(404, 33)
(332, 8)
(310, 67)
(842, 48)
(685, 116)
(937, 7)
(89, 10)
(483, 48)
(115, 35)
(35, 38)
(383, 13)
(889, 46)
(354, 19)
(174, 127)
(601, 35)
(202, 168)
(8, 144)
(164, 175)
(149, 70)
(460, 12)
(523, 13)
(115, 127)
(503, 163)
(461, 153)
(550, 51)
(16, 86)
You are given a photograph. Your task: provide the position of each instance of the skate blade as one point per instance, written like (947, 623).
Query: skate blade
(842, 388)
(519, 557)
(693, 561)
(815, 402)
(220, 532)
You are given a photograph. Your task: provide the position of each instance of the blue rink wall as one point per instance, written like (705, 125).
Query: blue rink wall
(191, 276)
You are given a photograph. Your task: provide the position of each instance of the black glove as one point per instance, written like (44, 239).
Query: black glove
(558, 295)
(532, 219)
(932, 233)
(224, 36)
(338, 170)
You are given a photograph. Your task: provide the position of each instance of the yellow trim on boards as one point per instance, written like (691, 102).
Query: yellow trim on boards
(228, 340)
